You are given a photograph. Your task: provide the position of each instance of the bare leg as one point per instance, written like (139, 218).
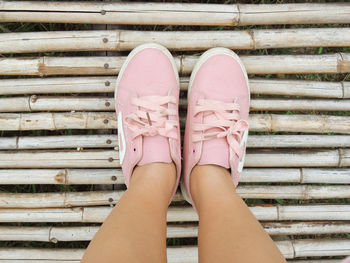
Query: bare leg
(135, 231)
(228, 231)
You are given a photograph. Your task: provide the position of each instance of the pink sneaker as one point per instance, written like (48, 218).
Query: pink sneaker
(217, 115)
(147, 97)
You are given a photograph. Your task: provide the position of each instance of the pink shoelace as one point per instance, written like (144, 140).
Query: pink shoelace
(151, 117)
(228, 121)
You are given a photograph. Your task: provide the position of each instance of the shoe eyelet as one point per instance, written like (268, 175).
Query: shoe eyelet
(134, 149)
(194, 150)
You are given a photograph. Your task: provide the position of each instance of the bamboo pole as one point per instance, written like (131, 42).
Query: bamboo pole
(319, 89)
(289, 249)
(93, 198)
(60, 85)
(86, 233)
(306, 228)
(107, 120)
(304, 248)
(296, 175)
(110, 158)
(61, 199)
(300, 88)
(120, 13)
(62, 176)
(115, 176)
(346, 89)
(299, 123)
(300, 105)
(72, 141)
(173, 13)
(56, 121)
(175, 213)
(123, 40)
(296, 141)
(276, 104)
(35, 254)
(111, 141)
(269, 64)
(332, 63)
(83, 103)
(293, 13)
(60, 159)
(62, 103)
(297, 158)
(302, 192)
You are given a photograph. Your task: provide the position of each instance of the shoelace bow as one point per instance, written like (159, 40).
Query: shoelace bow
(151, 117)
(228, 120)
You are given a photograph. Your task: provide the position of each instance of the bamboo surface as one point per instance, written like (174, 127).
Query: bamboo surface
(56, 121)
(300, 105)
(337, 90)
(171, 260)
(107, 120)
(289, 249)
(333, 212)
(115, 176)
(88, 141)
(98, 103)
(268, 104)
(124, 40)
(296, 141)
(65, 176)
(292, 171)
(300, 88)
(56, 234)
(94, 198)
(60, 159)
(67, 85)
(296, 175)
(297, 158)
(174, 13)
(63, 103)
(110, 158)
(111, 141)
(299, 123)
(262, 64)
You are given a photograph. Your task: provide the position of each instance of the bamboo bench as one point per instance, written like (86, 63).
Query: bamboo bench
(299, 147)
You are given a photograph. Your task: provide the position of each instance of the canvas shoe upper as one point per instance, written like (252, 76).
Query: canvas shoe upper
(147, 96)
(217, 115)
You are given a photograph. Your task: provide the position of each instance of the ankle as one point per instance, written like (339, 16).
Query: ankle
(155, 180)
(211, 184)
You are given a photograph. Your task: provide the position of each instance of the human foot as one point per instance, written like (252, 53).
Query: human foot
(147, 96)
(217, 115)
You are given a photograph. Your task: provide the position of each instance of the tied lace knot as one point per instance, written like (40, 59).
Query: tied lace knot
(152, 117)
(228, 122)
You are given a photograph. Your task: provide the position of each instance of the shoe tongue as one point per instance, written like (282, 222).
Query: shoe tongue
(155, 149)
(215, 150)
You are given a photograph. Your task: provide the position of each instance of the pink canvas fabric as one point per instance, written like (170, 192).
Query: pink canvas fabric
(147, 97)
(217, 115)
